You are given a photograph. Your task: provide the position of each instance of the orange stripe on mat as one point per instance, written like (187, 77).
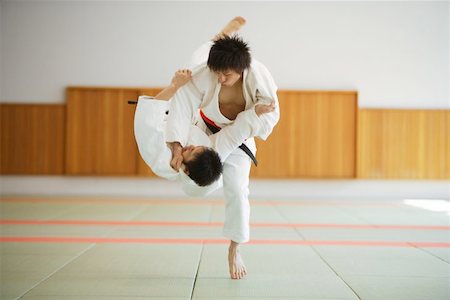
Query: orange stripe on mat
(26, 239)
(195, 202)
(217, 224)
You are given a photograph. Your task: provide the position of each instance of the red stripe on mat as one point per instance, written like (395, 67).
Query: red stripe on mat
(216, 224)
(26, 239)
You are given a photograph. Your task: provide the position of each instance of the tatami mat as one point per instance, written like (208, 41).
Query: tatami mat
(143, 248)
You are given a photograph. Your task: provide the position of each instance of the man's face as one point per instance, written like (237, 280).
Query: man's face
(190, 152)
(228, 78)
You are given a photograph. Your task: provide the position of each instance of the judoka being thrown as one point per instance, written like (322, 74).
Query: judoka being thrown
(225, 83)
(201, 161)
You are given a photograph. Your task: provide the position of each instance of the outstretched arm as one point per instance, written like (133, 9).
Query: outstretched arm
(180, 78)
(184, 104)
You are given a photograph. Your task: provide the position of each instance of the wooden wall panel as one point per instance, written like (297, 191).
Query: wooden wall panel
(100, 138)
(276, 156)
(407, 144)
(32, 138)
(315, 137)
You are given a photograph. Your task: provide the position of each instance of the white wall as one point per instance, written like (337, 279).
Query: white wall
(395, 54)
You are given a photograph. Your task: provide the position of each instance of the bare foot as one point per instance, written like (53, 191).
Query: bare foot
(234, 25)
(235, 262)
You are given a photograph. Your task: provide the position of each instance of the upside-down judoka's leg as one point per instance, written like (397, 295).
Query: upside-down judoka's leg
(200, 55)
(230, 28)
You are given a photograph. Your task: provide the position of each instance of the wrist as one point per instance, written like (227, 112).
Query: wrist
(174, 86)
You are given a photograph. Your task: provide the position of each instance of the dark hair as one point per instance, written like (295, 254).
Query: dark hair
(229, 53)
(205, 168)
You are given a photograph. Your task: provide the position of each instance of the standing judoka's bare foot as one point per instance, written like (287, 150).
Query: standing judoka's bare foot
(234, 25)
(235, 262)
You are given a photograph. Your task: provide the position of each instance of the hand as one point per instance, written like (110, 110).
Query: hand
(264, 109)
(181, 77)
(176, 162)
(177, 158)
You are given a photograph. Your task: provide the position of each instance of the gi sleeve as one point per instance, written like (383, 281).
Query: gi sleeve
(229, 138)
(200, 56)
(264, 92)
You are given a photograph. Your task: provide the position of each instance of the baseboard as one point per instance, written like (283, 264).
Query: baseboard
(259, 189)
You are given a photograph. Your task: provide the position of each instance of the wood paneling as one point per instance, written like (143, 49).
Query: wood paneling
(410, 144)
(315, 137)
(320, 135)
(100, 139)
(32, 138)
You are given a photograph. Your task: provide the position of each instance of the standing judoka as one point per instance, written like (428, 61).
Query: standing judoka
(202, 163)
(225, 82)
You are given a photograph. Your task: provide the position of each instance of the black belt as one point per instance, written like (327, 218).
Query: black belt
(214, 129)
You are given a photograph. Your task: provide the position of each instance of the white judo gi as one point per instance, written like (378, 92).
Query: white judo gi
(202, 92)
(149, 130)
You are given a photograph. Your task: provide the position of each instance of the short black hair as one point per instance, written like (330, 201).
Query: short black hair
(205, 168)
(229, 53)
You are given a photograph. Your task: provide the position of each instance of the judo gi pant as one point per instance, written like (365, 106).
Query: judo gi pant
(235, 181)
(236, 172)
